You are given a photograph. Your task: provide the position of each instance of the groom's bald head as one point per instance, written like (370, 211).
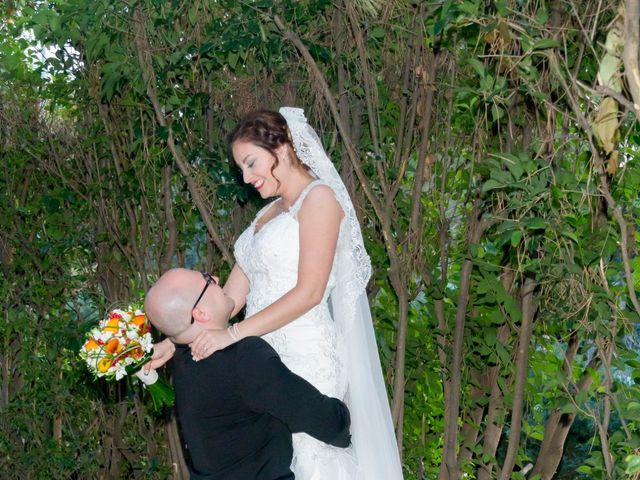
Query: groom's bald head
(168, 303)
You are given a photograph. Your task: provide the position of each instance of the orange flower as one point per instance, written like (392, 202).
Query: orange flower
(90, 345)
(113, 346)
(104, 364)
(112, 325)
(137, 353)
(140, 321)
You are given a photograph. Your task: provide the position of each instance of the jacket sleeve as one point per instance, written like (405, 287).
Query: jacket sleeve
(268, 386)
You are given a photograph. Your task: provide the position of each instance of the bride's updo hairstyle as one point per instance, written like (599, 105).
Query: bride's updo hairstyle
(266, 129)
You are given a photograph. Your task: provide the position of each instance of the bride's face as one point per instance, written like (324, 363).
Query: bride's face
(257, 164)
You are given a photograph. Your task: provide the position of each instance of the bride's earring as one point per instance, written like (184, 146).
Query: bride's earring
(285, 159)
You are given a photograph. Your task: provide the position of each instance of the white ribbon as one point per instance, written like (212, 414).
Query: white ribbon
(147, 378)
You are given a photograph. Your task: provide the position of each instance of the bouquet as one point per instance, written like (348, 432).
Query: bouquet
(120, 346)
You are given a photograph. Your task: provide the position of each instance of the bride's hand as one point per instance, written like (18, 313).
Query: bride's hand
(209, 341)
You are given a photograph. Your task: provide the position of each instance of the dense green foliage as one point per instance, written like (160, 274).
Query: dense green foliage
(499, 203)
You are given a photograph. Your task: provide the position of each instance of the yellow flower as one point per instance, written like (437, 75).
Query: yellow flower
(90, 345)
(112, 325)
(104, 364)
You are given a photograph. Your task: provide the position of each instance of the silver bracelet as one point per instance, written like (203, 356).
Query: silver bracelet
(234, 332)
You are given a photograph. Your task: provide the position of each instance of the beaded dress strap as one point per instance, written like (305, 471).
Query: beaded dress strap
(264, 209)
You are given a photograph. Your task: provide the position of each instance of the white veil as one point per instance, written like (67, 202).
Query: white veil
(372, 430)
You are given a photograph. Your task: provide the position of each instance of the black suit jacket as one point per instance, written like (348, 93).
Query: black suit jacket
(238, 408)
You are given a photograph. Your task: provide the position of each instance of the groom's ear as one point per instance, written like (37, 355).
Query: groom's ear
(199, 315)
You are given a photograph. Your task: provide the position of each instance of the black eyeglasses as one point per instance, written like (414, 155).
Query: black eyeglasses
(209, 279)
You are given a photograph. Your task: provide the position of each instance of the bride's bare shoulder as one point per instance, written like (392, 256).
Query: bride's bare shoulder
(321, 199)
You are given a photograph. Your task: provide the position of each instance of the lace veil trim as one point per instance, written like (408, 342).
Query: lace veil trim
(372, 430)
(354, 264)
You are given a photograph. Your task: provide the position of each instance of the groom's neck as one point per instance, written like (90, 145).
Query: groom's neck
(188, 337)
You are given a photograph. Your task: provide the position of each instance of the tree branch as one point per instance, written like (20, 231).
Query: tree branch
(449, 467)
(148, 74)
(604, 183)
(370, 90)
(328, 96)
(167, 257)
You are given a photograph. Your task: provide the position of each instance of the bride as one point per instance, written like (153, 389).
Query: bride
(301, 271)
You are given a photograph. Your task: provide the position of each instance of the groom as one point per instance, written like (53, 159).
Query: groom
(238, 407)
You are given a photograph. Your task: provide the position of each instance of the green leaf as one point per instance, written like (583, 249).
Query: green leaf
(503, 355)
(491, 185)
(490, 337)
(542, 16)
(232, 60)
(516, 236)
(54, 23)
(569, 407)
(582, 396)
(512, 309)
(496, 318)
(545, 43)
(570, 235)
(193, 14)
(514, 164)
(478, 66)
(496, 112)
(633, 411)
(633, 464)
(501, 176)
(377, 32)
(502, 7)
(534, 223)
(469, 8)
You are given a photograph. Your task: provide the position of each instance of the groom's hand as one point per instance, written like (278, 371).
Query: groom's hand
(162, 353)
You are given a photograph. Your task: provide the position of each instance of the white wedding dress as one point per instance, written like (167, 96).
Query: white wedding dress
(310, 345)
(333, 345)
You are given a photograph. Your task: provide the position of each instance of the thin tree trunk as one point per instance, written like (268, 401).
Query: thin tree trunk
(416, 220)
(495, 409)
(605, 352)
(6, 368)
(494, 425)
(57, 420)
(558, 426)
(449, 468)
(471, 426)
(522, 366)
(414, 237)
(170, 221)
(178, 464)
(371, 95)
(399, 367)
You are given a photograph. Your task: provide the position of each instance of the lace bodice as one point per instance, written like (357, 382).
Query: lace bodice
(269, 257)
